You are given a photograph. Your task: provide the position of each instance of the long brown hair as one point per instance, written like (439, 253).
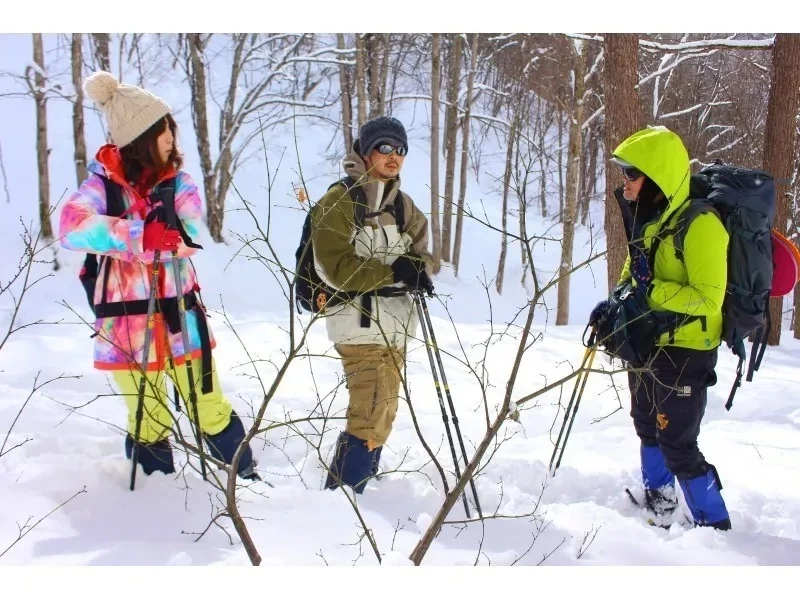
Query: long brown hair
(142, 153)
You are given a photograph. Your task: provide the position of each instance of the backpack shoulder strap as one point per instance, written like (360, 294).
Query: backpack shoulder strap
(166, 192)
(695, 209)
(400, 211)
(115, 205)
(358, 196)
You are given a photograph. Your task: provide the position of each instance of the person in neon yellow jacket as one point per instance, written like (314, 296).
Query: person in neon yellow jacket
(668, 401)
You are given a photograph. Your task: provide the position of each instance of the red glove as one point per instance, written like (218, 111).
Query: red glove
(158, 236)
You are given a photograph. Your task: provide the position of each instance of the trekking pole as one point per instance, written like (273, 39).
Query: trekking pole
(168, 201)
(441, 399)
(580, 382)
(422, 306)
(148, 336)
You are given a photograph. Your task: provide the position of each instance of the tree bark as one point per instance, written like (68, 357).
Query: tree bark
(384, 78)
(77, 110)
(590, 184)
(102, 42)
(450, 144)
(361, 91)
(373, 58)
(435, 84)
(501, 263)
(347, 102)
(622, 119)
(573, 186)
(462, 189)
(542, 128)
(42, 151)
(779, 141)
(199, 107)
(560, 113)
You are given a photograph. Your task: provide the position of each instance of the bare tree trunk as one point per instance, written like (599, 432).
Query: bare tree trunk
(361, 92)
(560, 165)
(779, 142)
(435, 83)
(450, 143)
(590, 185)
(586, 166)
(102, 43)
(462, 189)
(197, 86)
(372, 61)
(347, 106)
(573, 187)
(77, 110)
(622, 119)
(406, 41)
(121, 64)
(501, 263)
(542, 166)
(522, 195)
(384, 73)
(42, 151)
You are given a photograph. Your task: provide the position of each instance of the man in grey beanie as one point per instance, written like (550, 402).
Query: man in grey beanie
(382, 259)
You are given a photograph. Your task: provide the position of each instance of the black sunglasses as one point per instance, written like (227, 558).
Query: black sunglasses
(386, 149)
(631, 173)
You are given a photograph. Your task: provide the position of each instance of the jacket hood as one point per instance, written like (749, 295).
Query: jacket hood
(661, 155)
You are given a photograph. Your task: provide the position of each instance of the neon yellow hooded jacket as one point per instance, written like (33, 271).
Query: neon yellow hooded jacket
(695, 286)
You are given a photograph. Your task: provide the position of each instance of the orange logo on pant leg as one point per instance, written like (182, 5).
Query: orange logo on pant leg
(661, 421)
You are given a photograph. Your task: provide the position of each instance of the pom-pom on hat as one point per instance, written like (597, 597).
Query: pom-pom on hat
(129, 110)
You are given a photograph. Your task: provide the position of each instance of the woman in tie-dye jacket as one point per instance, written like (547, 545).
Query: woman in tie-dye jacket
(144, 154)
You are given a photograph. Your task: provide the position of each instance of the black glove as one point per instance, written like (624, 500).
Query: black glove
(411, 271)
(598, 312)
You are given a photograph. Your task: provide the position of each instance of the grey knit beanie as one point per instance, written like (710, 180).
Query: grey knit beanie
(382, 129)
(129, 110)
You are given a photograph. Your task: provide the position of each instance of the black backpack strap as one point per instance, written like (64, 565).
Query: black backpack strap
(357, 194)
(400, 211)
(115, 207)
(695, 209)
(164, 193)
(670, 227)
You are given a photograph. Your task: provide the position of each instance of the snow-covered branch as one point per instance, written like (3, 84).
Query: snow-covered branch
(682, 112)
(709, 44)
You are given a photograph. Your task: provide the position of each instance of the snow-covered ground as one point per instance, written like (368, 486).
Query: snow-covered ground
(580, 516)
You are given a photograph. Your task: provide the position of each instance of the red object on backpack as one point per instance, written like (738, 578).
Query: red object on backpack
(786, 265)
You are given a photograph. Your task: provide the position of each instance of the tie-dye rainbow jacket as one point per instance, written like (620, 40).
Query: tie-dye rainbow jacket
(85, 227)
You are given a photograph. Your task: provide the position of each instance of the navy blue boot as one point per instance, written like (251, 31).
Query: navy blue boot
(352, 464)
(223, 445)
(705, 500)
(658, 480)
(152, 457)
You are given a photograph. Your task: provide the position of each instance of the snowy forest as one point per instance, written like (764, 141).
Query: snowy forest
(510, 138)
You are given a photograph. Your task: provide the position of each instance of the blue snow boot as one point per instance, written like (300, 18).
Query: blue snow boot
(223, 445)
(352, 464)
(704, 499)
(152, 457)
(658, 481)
